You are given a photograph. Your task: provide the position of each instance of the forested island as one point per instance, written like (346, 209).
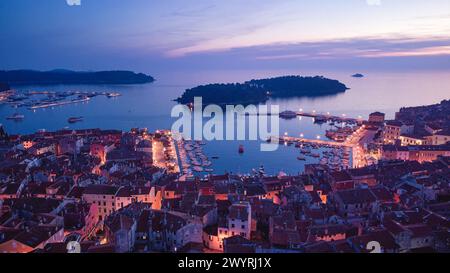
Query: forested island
(259, 91)
(32, 77)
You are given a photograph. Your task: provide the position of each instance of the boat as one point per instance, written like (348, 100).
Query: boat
(288, 115)
(261, 170)
(241, 149)
(215, 157)
(198, 169)
(301, 158)
(74, 119)
(16, 116)
(305, 150)
(320, 119)
(315, 155)
(113, 95)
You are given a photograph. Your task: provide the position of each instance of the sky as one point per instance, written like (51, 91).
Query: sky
(167, 35)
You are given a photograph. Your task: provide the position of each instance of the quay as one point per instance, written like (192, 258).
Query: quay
(282, 139)
(53, 104)
(319, 116)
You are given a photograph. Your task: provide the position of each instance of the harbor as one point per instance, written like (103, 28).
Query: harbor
(192, 157)
(322, 118)
(33, 100)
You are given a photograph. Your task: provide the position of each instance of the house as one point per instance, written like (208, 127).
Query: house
(127, 195)
(103, 196)
(376, 117)
(120, 230)
(237, 222)
(31, 239)
(238, 244)
(355, 202)
(341, 180)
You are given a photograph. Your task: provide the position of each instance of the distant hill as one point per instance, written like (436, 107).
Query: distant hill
(258, 91)
(4, 87)
(61, 76)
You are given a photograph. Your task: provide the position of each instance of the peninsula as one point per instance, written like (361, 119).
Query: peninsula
(62, 76)
(259, 91)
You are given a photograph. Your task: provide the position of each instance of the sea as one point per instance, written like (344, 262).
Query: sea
(149, 106)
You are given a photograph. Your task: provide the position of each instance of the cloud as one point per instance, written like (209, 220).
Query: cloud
(340, 49)
(426, 51)
(73, 2)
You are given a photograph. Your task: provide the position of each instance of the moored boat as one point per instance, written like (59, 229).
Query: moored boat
(74, 119)
(16, 116)
(241, 149)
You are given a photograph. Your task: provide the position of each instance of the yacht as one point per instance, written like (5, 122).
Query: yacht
(16, 116)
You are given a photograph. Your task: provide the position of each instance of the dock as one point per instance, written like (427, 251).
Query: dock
(282, 139)
(325, 117)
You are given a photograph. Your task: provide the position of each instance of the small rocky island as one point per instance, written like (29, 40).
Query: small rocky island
(259, 91)
(358, 75)
(62, 76)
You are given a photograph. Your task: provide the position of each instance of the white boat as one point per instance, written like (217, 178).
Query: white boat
(16, 116)
(113, 95)
(198, 169)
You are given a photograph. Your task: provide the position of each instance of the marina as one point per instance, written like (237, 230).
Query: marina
(33, 100)
(192, 157)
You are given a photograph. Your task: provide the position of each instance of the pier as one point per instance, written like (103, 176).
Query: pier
(312, 141)
(320, 116)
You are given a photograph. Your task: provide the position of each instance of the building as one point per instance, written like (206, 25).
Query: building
(420, 153)
(127, 195)
(103, 196)
(355, 202)
(376, 117)
(237, 222)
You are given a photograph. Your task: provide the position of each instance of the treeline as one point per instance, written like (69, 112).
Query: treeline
(257, 91)
(21, 77)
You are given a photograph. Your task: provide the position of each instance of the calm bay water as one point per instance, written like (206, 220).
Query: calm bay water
(149, 106)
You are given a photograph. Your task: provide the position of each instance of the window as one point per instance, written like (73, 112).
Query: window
(232, 225)
(243, 226)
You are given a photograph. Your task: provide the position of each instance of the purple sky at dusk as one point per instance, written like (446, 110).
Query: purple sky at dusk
(170, 35)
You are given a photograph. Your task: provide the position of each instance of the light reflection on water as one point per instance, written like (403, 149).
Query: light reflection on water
(149, 105)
